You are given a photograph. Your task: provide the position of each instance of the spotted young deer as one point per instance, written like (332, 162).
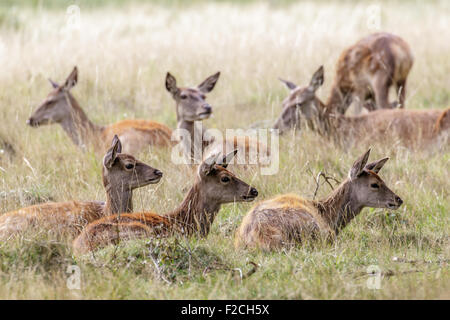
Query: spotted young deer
(122, 173)
(191, 107)
(412, 128)
(289, 219)
(61, 107)
(214, 186)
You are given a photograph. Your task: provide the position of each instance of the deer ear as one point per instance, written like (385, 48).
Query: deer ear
(291, 86)
(111, 154)
(207, 166)
(53, 83)
(358, 166)
(226, 159)
(72, 79)
(376, 165)
(209, 83)
(171, 84)
(317, 79)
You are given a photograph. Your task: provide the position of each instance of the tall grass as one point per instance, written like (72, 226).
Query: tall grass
(123, 52)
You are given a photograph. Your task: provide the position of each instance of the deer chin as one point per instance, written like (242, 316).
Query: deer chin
(393, 206)
(204, 115)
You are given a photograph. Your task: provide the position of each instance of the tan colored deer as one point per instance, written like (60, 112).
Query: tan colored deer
(289, 219)
(412, 128)
(122, 173)
(364, 74)
(61, 107)
(191, 107)
(214, 186)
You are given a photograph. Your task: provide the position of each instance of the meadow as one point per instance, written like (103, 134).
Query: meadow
(123, 51)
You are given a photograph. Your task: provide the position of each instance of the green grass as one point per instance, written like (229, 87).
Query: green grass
(123, 62)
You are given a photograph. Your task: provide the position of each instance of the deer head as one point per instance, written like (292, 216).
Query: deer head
(124, 172)
(219, 184)
(301, 103)
(57, 107)
(191, 102)
(367, 189)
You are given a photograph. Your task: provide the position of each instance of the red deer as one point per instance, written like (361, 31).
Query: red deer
(61, 107)
(214, 186)
(191, 106)
(364, 74)
(122, 173)
(290, 219)
(412, 128)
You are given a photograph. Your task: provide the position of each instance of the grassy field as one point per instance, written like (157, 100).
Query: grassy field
(123, 52)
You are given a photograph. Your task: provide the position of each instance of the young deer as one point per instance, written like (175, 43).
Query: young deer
(410, 127)
(287, 219)
(61, 107)
(122, 173)
(191, 107)
(214, 186)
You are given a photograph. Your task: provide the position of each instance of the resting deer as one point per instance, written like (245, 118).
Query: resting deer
(287, 219)
(410, 127)
(364, 74)
(214, 186)
(61, 107)
(122, 173)
(191, 106)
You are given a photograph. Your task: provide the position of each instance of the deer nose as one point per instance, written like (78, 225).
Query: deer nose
(30, 122)
(253, 192)
(398, 200)
(158, 173)
(207, 108)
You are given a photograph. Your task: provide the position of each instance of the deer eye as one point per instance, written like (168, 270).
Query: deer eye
(375, 185)
(183, 96)
(129, 166)
(225, 179)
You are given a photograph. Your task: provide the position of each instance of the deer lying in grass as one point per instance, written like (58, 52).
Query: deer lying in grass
(410, 127)
(364, 74)
(191, 107)
(288, 219)
(122, 173)
(214, 186)
(61, 107)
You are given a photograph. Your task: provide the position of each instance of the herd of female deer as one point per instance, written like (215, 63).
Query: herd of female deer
(364, 74)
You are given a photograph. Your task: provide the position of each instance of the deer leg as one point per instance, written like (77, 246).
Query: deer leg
(401, 92)
(381, 90)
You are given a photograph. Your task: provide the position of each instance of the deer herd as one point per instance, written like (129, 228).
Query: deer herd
(365, 73)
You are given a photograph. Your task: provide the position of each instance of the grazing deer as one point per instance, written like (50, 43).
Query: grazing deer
(61, 107)
(122, 173)
(410, 127)
(214, 186)
(191, 106)
(288, 219)
(364, 73)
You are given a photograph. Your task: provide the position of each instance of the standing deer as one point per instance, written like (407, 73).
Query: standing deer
(287, 219)
(191, 106)
(122, 173)
(61, 107)
(214, 186)
(364, 73)
(411, 127)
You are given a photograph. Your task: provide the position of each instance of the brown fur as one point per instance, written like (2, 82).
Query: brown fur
(289, 219)
(68, 218)
(195, 214)
(366, 71)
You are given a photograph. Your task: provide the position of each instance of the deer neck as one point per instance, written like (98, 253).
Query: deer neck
(196, 213)
(340, 207)
(193, 142)
(118, 200)
(78, 126)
